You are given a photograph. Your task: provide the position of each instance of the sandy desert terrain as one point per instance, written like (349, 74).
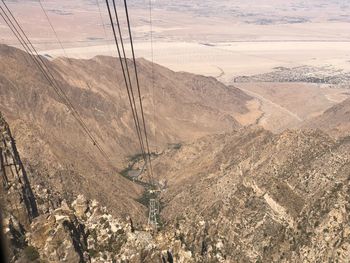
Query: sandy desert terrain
(228, 60)
(214, 38)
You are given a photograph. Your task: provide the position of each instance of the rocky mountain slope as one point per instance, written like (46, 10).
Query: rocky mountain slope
(181, 106)
(251, 196)
(245, 196)
(335, 120)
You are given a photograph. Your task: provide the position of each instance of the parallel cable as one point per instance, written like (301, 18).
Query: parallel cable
(153, 96)
(103, 25)
(126, 82)
(127, 70)
(36, 59)
(52, 28)
(60, 42)
(152, 60)
(138, 84)
(46, 72)
(150, 174)
(56, 35)
(69, 61)
(43, 65)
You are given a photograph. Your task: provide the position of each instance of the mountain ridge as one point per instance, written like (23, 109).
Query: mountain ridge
(187, 107)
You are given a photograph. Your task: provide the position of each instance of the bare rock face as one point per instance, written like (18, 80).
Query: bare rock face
(58, 236)
(15, 190)
(80, 206)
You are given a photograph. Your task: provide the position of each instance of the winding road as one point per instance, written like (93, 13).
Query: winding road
(263, 99)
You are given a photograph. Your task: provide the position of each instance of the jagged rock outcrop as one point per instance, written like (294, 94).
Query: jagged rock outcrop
(42, 226)
(17, 197)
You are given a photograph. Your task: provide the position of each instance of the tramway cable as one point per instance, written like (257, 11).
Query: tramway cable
(154, 186)
(127, 70)
(39, 61)
(103, 25)
(150, 171)
(152, 60)
(136, 123)
(45, 71)
(53, 29)
(154, 201)
(138, 84)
